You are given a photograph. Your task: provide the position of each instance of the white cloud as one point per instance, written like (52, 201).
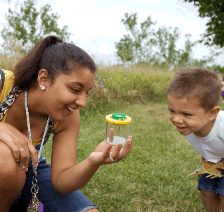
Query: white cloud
(76, 4)
(96, 24)
(4, 7)
(151, 2)
(120, 7)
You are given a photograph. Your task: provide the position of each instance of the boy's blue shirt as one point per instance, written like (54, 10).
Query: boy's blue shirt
(211, 147)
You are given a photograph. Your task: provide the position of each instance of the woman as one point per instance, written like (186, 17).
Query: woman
(44, 92)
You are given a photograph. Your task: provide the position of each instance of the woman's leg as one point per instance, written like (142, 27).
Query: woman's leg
(12, 178)
(211, 201)
(51, 199)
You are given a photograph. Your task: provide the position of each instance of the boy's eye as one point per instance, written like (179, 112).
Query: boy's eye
(75, 90)
(186, 114)
(171, 110)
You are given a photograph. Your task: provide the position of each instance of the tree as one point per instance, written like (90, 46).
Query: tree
(23, 25)
(125, 49)
(213, 9)
(147, 45)
(136, 46)
(166, 43)
(184, 56)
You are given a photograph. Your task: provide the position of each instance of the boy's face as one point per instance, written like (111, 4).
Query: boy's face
(188, 116)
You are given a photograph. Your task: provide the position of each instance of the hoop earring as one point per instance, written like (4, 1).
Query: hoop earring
(42, 87)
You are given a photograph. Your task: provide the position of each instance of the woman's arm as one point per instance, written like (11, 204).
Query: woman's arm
(66, 175)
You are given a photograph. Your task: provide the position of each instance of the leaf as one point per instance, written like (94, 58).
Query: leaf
(214, 11)
(23, 25)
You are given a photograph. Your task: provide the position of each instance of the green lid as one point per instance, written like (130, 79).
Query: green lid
(118, 116)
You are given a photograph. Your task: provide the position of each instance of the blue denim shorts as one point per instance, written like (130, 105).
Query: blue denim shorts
(51, 199)
(215, 185)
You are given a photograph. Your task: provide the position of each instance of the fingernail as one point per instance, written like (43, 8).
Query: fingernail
(23, 167)
(120, 145)
(26, 169)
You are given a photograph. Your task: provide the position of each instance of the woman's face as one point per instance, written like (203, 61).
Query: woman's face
(68, 93)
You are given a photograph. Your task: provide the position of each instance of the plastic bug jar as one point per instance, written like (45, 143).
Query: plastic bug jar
(117, 128)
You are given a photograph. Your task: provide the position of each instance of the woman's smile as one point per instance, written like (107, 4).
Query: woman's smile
(69, 109)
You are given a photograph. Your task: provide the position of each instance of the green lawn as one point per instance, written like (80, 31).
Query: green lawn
(154, 175)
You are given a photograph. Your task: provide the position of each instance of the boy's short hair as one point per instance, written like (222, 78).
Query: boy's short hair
(198, 83)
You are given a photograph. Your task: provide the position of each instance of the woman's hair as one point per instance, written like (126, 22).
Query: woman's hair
(197, 83)
(53, 55)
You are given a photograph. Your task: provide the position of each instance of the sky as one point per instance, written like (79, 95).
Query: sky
(96, 24)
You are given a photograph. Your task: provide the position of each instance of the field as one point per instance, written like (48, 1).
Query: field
(154, 177)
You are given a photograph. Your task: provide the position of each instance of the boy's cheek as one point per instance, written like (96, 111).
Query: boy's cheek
(171, 118)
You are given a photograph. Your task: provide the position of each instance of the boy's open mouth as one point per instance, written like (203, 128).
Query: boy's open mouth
(180, 129)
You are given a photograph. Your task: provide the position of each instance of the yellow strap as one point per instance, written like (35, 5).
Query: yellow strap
(38, 141)
(9, 79)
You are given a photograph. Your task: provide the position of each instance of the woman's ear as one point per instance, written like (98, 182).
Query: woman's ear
(43, 78)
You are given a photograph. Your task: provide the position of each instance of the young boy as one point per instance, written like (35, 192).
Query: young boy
(193, 99)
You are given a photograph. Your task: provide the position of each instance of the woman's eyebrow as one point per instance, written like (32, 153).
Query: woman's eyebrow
(79, 84)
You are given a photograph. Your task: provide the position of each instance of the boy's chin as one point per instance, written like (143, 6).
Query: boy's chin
(183, 131)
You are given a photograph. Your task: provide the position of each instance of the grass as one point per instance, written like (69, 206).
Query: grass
(154, 175)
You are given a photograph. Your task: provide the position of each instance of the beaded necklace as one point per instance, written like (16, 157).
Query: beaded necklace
(35, 204)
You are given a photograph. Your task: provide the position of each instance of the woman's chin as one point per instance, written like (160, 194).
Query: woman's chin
(59, 117)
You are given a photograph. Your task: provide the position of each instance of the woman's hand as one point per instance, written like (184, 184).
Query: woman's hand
(102, 153)
(15, 140)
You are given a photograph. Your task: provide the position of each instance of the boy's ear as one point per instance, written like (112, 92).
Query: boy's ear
(214, 112)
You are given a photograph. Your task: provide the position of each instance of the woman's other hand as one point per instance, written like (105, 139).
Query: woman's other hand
(102, 153)
(16, 141)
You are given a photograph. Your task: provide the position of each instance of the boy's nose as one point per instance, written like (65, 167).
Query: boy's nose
(177, 119)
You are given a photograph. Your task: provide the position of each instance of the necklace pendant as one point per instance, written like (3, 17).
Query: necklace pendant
(40, 208)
